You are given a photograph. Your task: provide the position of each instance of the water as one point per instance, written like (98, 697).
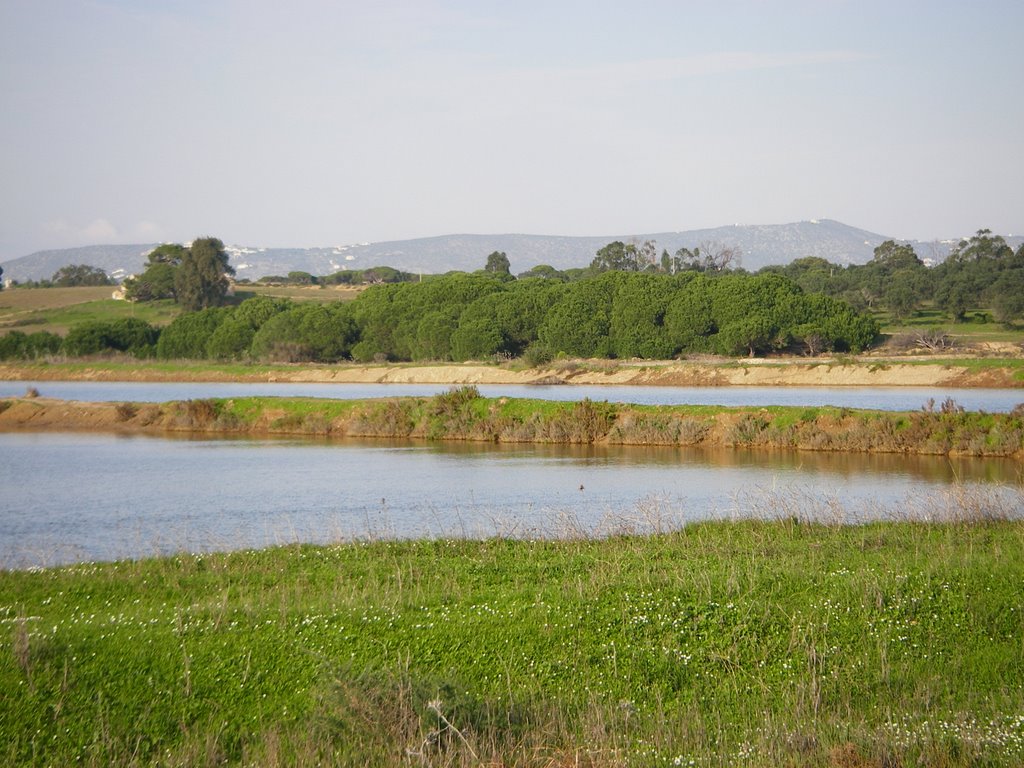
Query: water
(880, 398)
(81, 497)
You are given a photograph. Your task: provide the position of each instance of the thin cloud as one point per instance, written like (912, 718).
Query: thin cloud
(103, 231)
(702, 65)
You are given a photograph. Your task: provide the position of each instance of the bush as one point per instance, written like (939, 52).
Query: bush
(95, 337)
(187, 336)
(538, 354)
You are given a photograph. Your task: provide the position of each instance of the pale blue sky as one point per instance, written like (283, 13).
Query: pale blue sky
(325, 123)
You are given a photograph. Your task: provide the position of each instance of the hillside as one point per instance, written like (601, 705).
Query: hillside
(760, 245)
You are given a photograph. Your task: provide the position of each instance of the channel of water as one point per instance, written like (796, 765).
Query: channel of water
(880, 398)
(82, 497)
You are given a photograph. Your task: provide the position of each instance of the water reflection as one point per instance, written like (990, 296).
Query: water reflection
(67, 497)
(939, 469)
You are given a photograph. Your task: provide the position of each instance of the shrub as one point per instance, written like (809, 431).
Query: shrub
(127, 334)
(538, 354)
(187, 336)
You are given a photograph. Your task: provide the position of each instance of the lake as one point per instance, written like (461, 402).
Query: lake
(880, 398)
(81, 497)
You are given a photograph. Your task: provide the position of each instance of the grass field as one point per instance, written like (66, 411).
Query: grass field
(57, 309)
(971, 331)
(746, 644)
(300, 293)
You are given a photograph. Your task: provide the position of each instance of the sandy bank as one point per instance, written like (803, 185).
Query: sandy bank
(793, 372)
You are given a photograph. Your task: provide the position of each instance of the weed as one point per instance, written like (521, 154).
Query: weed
(538, 354)
(126, 411)
(747, 430)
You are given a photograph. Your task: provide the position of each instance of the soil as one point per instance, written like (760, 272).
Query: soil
(868, 372)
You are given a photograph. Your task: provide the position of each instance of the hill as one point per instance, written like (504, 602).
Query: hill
(760, 245)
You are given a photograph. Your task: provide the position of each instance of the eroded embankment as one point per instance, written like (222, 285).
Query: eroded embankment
(462, 414)
(876, 372)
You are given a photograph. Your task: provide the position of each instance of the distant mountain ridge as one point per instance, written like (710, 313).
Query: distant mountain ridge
(760, 245)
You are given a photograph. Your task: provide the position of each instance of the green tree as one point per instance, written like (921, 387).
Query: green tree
(498, 265)
(757, 333)
(579, 323)
(298, 277)
(434, 335)
(230, 340)
(128, 334)
(307, 332)
(980, 246)
(200, 281)
(905, 290)
(475, 340)
(969, 276)
(891, 257)
(638, 317)
(157, 280)
(709, 256)
(813, 274)
(545, 271)
(19, 346)
(187, 335)
(689, 317)
(622, 257)
(79, 274)
(1008, 295)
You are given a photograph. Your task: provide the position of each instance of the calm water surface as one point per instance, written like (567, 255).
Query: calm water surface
(881, 398)
(77, 497)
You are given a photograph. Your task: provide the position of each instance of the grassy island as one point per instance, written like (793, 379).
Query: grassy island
(462, 414)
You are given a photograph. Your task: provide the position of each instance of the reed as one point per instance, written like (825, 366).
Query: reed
(462, 414)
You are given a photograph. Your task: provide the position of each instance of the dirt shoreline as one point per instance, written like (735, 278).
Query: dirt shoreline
(869, 372)
(464, 416)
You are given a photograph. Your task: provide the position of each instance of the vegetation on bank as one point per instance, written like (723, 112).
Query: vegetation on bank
(627, 304)
(746, 644)
(462, 414)
(479, 317)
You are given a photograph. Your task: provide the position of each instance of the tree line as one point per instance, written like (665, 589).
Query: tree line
(473, 316)
(982, 271)
(629, 302)
(69, 276)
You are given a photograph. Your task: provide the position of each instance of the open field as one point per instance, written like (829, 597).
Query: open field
(321, 294)
(979, 327)
(57, 309)
(723, 644)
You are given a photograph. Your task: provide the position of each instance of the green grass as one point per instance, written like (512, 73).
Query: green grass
(754, 644)
(60, 318)
(58, 309)
(183, 370)
(318, 294)
(978, 325)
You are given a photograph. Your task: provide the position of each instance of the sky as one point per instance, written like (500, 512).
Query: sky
(315, 123)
